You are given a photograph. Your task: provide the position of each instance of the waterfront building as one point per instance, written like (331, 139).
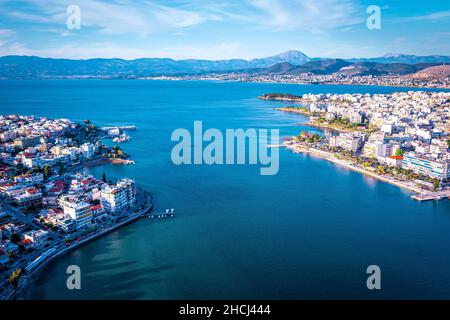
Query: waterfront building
(88, 150)
(115, 198)
(77, 209)
(433, 168)
(394, 161)
(348, 141)
(98, 212)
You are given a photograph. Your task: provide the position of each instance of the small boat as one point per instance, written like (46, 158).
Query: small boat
(122, 138)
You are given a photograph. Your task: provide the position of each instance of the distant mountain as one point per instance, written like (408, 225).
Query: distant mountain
(292, 57)
(290, 62)
(404, 58)
(340, 66)
(36, 67)
(322, 66)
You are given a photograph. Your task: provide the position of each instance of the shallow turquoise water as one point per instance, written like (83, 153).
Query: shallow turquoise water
(308, 232)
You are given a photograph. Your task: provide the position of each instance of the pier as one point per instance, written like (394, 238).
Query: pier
(123, 128)
(162, 215)
(437, 195)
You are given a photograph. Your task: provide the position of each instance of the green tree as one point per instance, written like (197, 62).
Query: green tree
(15, 237)
(61, 168)
(399, 152)
(47, 171)
(436, 184)
(104, 177)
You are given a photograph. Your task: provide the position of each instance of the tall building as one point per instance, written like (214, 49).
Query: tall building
(348, 141)
(87, 149)
(432, 168)
(115, 198)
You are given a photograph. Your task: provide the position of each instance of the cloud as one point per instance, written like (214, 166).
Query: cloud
(114, 50)
(309, 15)
(29, 17)
(430, 17)
(115, 17)
(7, 33)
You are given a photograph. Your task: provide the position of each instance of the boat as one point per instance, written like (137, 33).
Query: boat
(122, 138)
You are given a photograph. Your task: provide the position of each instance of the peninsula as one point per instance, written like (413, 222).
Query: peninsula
(47, 205)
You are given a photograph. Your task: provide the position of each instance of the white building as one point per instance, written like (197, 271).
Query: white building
(348, 141)
(38, 237)
(78, 210)
(87, 150)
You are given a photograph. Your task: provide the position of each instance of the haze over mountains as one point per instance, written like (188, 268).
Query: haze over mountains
(290, 62)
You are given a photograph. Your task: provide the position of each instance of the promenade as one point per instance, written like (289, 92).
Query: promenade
(420, 194)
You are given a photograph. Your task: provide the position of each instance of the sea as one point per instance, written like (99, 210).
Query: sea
(308, 232)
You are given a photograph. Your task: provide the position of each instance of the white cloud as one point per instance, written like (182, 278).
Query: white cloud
(116, 17)
(430, 17)
(309, 15)
(112, 50)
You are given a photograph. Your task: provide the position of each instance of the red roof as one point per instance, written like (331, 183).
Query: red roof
(31, 190)
(396, 157)
(26, 242)
(55, 190)
(96, 207)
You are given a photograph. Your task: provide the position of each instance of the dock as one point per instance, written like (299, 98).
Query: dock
(162, 215)
(437, 195)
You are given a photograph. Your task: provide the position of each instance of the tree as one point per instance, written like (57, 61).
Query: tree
(448, 143)
(436, 184)
(399, 152)
(104, 177)
(61, 168)
(15, 237)
(14, 277)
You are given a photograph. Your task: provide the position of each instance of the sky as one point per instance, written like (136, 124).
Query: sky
(222, 29)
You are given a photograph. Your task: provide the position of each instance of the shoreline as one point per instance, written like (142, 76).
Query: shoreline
(227, 80)
(29, 278)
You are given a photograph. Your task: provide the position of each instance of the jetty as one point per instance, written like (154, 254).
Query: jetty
(122, 128)
(437, 195)
(169, 213)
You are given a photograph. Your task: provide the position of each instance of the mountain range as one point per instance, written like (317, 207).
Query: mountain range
(290, 62)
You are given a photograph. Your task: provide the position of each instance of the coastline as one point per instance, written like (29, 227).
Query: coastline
(330, 157)
(29, 278)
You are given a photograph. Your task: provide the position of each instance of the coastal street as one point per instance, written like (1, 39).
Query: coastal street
(143, 206)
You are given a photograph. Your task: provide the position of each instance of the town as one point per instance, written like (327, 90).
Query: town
(48, 205)
(401, 138)
(311, 78)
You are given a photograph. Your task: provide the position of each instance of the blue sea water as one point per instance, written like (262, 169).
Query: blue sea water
(308, 232)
